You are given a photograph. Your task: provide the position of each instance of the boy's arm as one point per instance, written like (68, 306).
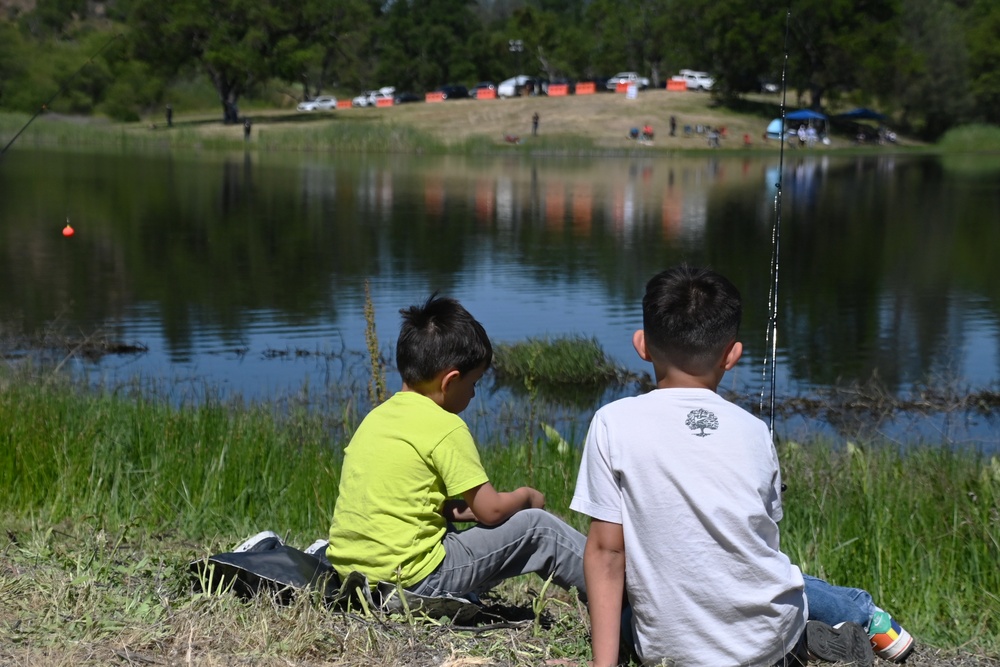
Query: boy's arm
(491, 507)
(604, 570)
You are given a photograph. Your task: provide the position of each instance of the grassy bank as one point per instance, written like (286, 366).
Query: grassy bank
(106, 499)
(575, 125)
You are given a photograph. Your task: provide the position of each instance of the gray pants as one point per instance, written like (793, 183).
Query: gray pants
(478, 558)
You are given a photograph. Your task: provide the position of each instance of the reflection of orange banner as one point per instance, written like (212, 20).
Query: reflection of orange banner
(486, 200)
(383, 102)
(583, 206)
(434, 197)
(586, 88)
(673, 205)
(343, 104)
(677, 85)
(434, 97)
(558, 89)
(555, 204)
(486, 94)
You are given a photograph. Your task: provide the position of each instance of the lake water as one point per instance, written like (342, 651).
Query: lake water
(246, 273)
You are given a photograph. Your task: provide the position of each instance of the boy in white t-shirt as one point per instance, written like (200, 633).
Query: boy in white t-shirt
(684, 493)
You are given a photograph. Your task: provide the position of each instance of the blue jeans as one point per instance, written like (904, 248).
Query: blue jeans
(837, 604)
(532, 540)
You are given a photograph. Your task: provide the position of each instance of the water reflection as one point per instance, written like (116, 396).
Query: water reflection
(885, 268)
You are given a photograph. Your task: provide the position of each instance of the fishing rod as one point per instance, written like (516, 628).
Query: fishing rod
(771, 334)
(59, 92)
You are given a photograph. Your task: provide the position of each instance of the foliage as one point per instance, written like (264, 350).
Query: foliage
(930, 64)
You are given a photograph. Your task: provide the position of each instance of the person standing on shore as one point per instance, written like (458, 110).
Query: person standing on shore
(534, 124)
(170, 116)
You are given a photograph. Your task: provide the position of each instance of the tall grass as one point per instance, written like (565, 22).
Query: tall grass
(920, 530)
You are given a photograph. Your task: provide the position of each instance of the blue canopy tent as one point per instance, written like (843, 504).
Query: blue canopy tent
(774, 127)
(861, 113)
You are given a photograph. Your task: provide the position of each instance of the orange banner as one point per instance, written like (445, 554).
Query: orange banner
(434, 97)
(677, 86)
(558, 90)
(383, 102)
(586, 88)
(343, 104)
(486, 94)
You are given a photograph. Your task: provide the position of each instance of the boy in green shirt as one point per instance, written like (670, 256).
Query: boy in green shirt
(413, 453)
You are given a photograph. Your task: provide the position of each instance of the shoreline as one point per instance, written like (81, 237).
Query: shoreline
(575, 126)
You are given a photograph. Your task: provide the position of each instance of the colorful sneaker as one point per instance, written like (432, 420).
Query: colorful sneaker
(889, 641)
(845, 643)
(264, 541)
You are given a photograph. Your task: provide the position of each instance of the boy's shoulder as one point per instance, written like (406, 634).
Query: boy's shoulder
(659, 402)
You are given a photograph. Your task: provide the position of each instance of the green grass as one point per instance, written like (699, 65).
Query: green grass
(562, 360)
(107, 496)
(971, 139)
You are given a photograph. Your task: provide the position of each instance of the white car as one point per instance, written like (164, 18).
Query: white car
(627, 77)
(513, 87)
(370, 98)
(697, 80)
(321, 103)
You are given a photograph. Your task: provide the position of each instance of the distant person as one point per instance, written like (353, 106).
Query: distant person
(633, 133)
(713, 138)
(170, 116)
(412, 467)
(534, 124)
(647, 132)
(673, 126)
(684, 493)
(246, 129)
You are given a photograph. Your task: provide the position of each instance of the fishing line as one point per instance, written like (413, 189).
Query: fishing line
(771, 334)
(59, 92)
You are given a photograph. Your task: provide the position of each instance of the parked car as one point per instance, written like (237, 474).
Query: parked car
(403, 98)
(482, 85)
(362, 99)
(697, 80)
(627, 77)
(522, 84)
(452, 91)
(321, 103)
(370, 98)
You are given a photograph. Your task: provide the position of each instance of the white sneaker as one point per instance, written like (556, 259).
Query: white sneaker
(262, 541)
(317, 548)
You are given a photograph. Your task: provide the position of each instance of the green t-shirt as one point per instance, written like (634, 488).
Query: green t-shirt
(405, 459)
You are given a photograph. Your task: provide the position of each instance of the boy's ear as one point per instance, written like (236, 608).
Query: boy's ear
(733, 355)
(639, 343)
(448, 377)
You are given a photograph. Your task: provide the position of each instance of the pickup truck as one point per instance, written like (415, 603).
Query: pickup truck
(697, 80)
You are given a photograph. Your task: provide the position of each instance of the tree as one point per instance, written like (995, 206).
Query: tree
(984, 58)
(237, 43)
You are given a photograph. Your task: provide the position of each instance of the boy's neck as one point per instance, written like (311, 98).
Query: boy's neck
(675, 378)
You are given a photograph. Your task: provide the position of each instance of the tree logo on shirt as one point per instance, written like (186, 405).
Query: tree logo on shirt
(700, 420)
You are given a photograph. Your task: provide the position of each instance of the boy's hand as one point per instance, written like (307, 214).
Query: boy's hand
(457, 510)
(536, 499)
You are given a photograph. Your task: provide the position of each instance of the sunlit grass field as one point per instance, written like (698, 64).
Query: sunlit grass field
(107, 495)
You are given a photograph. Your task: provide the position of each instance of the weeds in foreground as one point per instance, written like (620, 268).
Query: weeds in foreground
(107, 498)
(377, 393)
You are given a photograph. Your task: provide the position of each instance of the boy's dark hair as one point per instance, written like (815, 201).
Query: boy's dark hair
(689, 316)
(438, 335)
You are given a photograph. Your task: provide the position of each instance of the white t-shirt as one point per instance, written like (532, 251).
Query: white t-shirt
(694, 481)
